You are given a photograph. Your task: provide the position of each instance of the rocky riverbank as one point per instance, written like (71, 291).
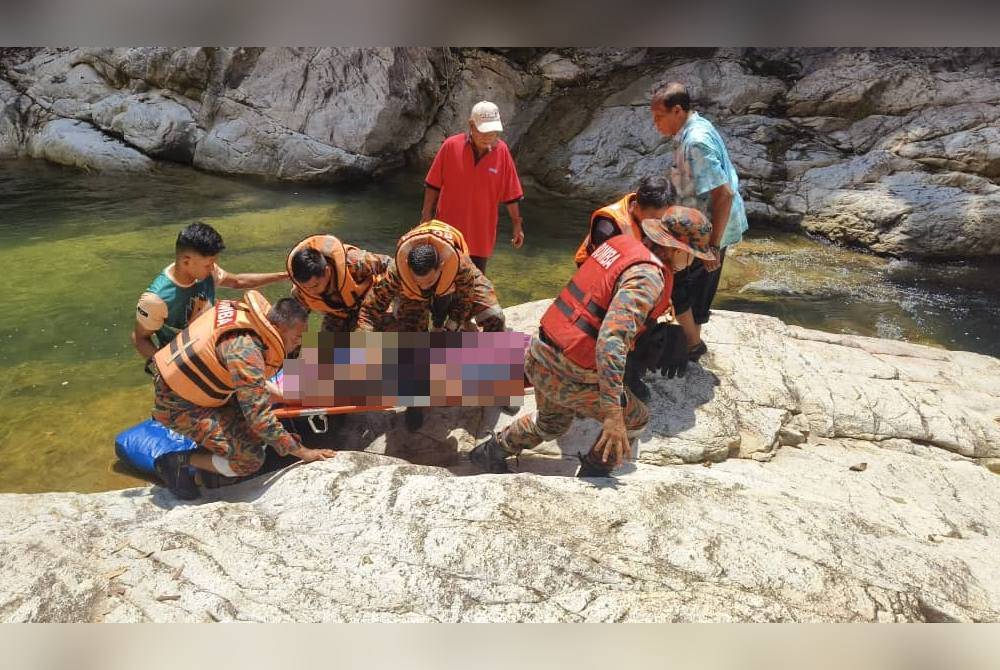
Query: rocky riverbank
(796, 476)
(894, 150)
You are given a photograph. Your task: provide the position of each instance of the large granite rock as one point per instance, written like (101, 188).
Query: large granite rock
(889, 149)
(152, 123)
(856, 494)
(10, 127)
(296, 114)
(893, 150)
(79, 144)
(485, 76)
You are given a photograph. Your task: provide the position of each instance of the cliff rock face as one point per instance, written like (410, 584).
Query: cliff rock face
(891, 149)
(846, 484)
(296, 114)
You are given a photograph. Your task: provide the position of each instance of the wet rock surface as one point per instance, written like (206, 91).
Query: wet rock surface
(748, 503)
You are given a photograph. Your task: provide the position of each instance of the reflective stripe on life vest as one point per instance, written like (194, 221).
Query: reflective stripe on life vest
(190, 365)
(573, 321)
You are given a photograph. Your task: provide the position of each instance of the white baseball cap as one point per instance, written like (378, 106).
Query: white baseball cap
(486, 117)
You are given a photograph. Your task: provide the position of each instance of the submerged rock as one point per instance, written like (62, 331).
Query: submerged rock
(784, 527)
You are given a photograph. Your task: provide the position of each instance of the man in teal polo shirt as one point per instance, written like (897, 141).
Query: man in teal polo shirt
(706, 180)
(186, 288)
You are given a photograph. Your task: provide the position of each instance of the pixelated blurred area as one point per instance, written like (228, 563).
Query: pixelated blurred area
(442, 369)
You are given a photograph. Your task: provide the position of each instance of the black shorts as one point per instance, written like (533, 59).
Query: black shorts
(695, 288)
(680, 296)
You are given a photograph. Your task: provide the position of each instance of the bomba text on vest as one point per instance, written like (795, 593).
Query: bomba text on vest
(225, 314)
(606, 255)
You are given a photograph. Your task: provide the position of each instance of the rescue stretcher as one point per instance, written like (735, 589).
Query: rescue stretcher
(318, 417)
(140, 445)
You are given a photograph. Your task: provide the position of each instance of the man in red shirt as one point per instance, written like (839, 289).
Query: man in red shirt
(471, 175)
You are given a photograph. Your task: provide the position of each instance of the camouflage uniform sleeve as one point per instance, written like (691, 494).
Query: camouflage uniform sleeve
(638, 289)
(364, 264)
(476, 297)
(243, 355)
(379, 297)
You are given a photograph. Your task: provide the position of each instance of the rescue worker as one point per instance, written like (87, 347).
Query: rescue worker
(577, 361)
(649, 201)
(333, 278)
(431, 274)
(209, 385)
(186, 288)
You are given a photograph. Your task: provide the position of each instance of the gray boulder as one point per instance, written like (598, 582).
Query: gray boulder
(78, 144)
(485, 76)
(266, 149)
(153, 124)
(884, 202)
(185, 71)
(815, 134)
(296, 114)
(363, 101)
(11, 137)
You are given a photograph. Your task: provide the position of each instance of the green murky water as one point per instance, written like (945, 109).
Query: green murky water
(76, 250)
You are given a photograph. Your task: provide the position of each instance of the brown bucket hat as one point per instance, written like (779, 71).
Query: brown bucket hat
(682, 228)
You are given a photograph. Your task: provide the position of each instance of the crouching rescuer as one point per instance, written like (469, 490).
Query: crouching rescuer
(577, 361)
(209, 386)
(432, 275)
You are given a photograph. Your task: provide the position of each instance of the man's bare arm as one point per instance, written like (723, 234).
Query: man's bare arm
(720, 202)
(430, 200)
(248, 280)
(142, 340)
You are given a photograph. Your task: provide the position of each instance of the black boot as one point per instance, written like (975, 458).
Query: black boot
(173, 470)
(490, 457)
(414, 418)
(590, 468)
(697, 352)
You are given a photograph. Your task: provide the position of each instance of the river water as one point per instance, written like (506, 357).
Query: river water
(76, 250)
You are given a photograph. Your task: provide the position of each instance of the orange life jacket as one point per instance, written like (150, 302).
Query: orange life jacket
(617, 212)
(190, 364)
(450, 246)
(343, 286)
(573, 320)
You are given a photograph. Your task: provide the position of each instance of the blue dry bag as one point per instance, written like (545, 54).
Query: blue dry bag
(141, 445)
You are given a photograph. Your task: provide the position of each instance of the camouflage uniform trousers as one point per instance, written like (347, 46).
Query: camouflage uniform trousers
(224, 431)
(560, 396)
